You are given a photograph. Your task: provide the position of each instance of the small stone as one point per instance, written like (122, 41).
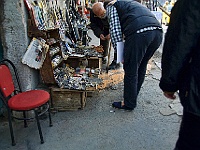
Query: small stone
(112, 111)
(167, 111)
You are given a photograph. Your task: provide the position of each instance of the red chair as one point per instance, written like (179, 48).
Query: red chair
(16, 100)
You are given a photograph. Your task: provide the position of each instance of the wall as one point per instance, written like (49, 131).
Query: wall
(1, 50)
(13, 31)
(1, 56)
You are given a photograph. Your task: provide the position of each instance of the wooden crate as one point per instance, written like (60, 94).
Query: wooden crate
(95, 62)
(73, 62)
(64, 99)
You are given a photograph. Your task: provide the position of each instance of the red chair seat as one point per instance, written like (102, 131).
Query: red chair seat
(28, 100)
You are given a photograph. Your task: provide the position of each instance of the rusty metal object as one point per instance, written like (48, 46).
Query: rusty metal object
(110, 45)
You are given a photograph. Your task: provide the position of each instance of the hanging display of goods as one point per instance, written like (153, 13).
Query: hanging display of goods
(71, 67)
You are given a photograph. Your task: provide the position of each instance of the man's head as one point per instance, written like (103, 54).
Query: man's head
(166, 2)
(99, 10)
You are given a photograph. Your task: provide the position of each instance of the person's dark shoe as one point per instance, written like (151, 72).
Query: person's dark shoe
(117, 66)
(119, 106)
(114, 65)
(103, 60)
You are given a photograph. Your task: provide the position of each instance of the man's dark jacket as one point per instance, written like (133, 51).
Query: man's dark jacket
(98, 25)
(181, 55)
(134, 16)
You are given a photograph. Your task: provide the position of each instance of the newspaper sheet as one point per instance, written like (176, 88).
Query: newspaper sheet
(35, 54)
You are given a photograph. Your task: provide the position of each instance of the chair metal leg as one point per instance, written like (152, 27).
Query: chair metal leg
(49, 112)
(25, 122)
(39, 127)
(11, 128)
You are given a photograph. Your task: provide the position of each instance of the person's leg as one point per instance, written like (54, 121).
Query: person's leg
(114, 64)
(189, 134)
(133, 54)
(139, 48)
(131, 58)
(105, 44)
(156, 37)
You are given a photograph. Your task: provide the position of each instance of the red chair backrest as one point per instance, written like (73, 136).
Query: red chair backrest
(6, 81)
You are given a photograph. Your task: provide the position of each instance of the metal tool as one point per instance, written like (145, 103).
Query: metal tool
(109, 50)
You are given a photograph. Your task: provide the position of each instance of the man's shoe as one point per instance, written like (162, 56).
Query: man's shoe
(114, 65)
(119, 106)
(103, 60)
(117, 66)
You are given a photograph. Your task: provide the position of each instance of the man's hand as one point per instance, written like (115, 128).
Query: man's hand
(108, 37)
(169, 95)
(102, 37)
